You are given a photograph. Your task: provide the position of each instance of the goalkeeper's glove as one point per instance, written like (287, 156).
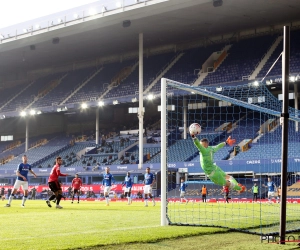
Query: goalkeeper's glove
(193, 137)
(230, 141)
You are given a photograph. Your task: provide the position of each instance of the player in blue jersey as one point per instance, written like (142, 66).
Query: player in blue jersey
(22, 180)
(271, 189)
(128, 185)
(149, 180)
(107, 181)
(182, 188)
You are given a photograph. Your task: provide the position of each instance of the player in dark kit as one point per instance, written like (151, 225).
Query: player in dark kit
(76, 185)
(54, 184)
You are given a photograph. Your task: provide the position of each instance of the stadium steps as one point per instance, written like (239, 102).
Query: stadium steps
(112, 84)
(200, 79)
(205, 74)
(13, 98)
(81, 85)
(265, 58)
(52, 85)
(163, 72)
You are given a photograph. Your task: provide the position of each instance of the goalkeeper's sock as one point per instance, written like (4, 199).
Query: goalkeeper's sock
(23, 200)
(234, 184)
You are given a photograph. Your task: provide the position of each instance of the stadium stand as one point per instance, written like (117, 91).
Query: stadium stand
(294, 58)
(28, 95)
(98, 84)
(241, 61)
(65, 88)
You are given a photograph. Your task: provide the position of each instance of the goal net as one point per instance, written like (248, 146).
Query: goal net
(250, 114)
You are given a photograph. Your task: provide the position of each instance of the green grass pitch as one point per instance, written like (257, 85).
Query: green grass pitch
(93, 225)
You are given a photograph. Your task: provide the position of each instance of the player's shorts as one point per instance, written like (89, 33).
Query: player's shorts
(218, 176)
(76, 191)
(182, 194)
(271, 194)
(54, 186)
(147, 189)
(19, 183)
(127, 190)
(107, 189)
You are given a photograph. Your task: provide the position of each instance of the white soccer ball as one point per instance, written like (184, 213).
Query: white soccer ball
(195, 129)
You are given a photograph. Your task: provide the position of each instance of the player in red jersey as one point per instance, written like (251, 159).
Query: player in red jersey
(76, 185)
(54, 184)
(226, 193)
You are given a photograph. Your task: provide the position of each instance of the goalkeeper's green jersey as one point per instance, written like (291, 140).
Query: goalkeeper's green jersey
(207, 156)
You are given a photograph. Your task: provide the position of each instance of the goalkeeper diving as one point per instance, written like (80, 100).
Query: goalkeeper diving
(214, 172)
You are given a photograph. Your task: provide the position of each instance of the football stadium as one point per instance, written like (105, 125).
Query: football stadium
(150, 124)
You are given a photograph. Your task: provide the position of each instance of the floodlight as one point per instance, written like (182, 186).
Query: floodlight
(2, 117)
(193, 92)
(32, 112)
(23, 113)
(104, 9)
(37, 26)
(38, 112)
(76, 15)
(84, 105)
(25, 30)
(118, 4)
(292, 78)
(1, 36)
(134, 99)
(115, 102)
(150, 97)
(219, 89)
(100, 103)
(256, 84)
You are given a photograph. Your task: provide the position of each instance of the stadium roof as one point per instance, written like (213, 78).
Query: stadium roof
(162, 22)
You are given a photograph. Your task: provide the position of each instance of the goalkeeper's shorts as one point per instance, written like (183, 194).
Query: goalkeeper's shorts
(218, 176)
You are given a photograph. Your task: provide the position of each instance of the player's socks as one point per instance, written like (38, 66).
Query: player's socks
(153, 201)
(146, 201)
(58, 199)
(10, 198)
(78, 199)
(107, 200)
(128, 198)
(52, 197)
(24, 200)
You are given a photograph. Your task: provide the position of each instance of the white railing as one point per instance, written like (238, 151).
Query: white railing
(76, 15)
(245, 78)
